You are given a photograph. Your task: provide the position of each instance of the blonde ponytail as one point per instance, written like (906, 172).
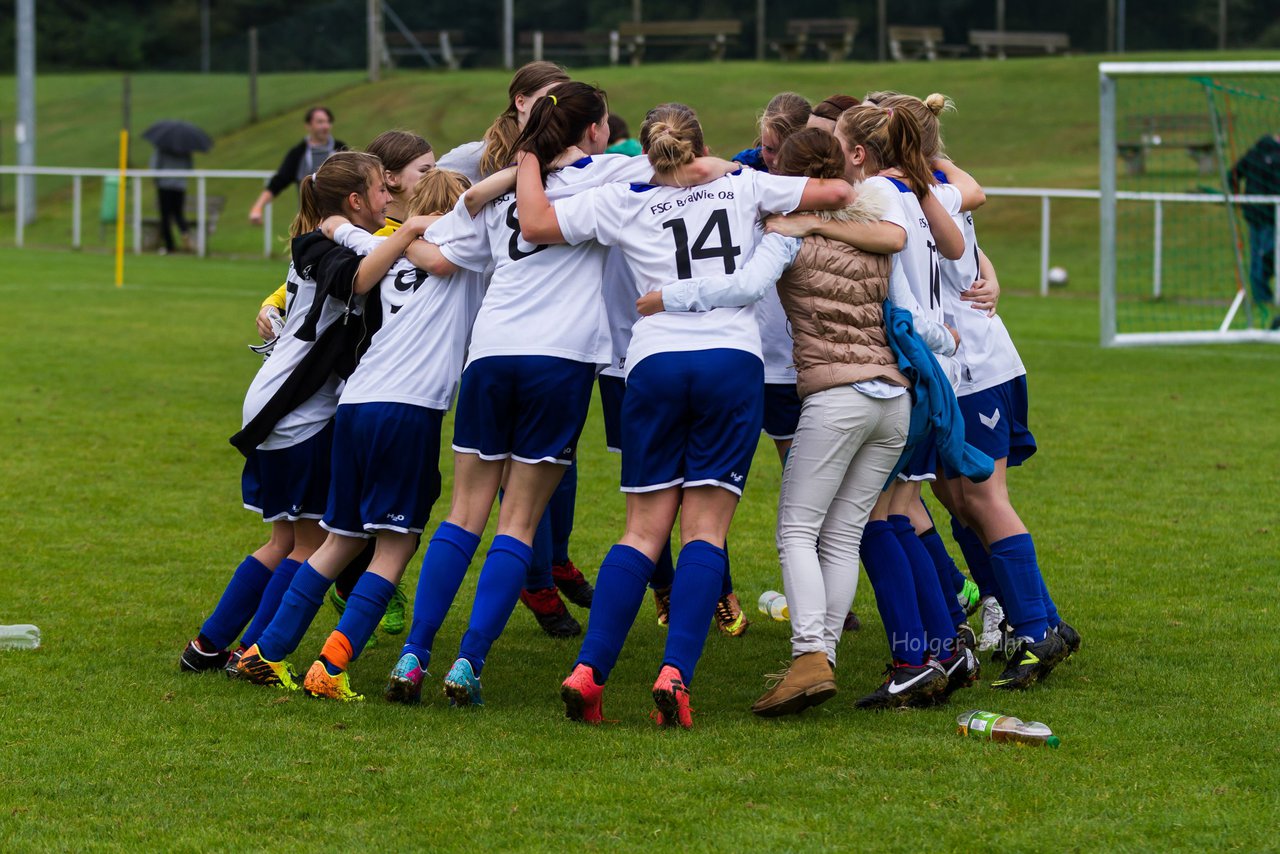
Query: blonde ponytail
(671, 136)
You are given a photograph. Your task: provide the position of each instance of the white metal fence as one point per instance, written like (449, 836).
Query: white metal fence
(135, 178)
(1046, 195)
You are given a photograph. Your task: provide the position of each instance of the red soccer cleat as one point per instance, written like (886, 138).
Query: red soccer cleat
(582, 696)
(672, 699)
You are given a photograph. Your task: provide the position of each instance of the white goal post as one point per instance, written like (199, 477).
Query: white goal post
(1183, 225)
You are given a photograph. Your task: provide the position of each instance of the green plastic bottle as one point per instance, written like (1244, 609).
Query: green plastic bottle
(991, 726)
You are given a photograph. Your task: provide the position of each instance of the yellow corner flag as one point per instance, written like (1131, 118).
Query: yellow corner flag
(124, 165)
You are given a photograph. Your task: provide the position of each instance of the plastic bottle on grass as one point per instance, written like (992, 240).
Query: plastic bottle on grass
(19, 637)
(774, 604)
(992, 726)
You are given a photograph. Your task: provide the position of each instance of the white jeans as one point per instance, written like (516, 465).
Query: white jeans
(845, 447)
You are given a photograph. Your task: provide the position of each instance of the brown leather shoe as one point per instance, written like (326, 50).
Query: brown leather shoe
(809, 681)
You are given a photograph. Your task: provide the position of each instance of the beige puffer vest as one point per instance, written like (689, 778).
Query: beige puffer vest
(834, 296)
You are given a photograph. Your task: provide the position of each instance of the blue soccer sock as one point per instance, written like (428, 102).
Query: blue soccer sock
(1050, 609)
(563, 504)
(297, 609)
(978, 559)
(953, 579)
(949, 576)
(270, 601)
(664, 571)
(931, 598)
(497, 592)
(539, 576)
(700, 575)
(366, 604)
(891, 578)
(239, 600)
(726, 586)
(443, 567)
(620, 585)
(1013, 560)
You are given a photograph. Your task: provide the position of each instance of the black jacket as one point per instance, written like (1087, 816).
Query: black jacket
(337, 350)
(288, 171)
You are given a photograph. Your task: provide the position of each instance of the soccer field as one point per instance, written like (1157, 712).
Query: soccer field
(1153, 501)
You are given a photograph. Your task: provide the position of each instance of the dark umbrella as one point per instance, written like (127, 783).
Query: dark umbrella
(177, 136)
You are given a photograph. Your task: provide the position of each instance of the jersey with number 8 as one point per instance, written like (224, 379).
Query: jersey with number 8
(542, 300)
(671, 233)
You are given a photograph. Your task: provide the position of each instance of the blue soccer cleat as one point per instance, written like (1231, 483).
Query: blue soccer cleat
(462, 686)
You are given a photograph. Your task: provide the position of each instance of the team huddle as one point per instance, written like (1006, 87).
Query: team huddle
(825, 285)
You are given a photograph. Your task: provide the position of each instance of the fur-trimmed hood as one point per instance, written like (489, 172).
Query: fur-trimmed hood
(869, 205)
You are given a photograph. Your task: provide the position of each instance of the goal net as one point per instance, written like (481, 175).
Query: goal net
(1190, 181)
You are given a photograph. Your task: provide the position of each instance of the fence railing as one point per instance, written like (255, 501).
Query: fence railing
(135, 177)
(202, 176)
(1158, 200)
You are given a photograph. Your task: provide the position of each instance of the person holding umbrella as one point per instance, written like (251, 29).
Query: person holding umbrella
(301, 160)
(174, 142)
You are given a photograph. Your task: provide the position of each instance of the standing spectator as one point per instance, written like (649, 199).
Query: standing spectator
(172, 194)
(1259, 170)
(301, 160)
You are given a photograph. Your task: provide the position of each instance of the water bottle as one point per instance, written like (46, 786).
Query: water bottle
(19, 637)
(774, 604)
(991, 726)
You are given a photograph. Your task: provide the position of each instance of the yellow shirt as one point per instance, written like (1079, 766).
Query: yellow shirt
(278, 299)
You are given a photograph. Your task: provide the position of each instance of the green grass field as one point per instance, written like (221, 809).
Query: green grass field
(1152, 500)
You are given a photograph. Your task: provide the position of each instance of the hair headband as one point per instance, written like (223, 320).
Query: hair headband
(554, 101)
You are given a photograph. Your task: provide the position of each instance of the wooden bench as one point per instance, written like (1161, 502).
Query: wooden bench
(540, 43)
(1190, 131)
(833, 38)
(907, 43)
(447, 42)
(638, 35)
(213, 207)
(1004, 43)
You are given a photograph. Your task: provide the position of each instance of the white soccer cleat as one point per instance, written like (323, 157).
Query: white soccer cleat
(992, 617)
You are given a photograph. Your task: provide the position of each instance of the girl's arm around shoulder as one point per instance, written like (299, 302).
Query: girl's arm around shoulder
(984, 294)
(493, 187)
(946, 234)
(860, 224)
(538, 222)
(972, 196)
(744, 287)
(376, 264)
(825, 194)
(427, 256)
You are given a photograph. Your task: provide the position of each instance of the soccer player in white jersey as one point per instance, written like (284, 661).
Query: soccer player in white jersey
(992, 392)
(552, 572)
(692, 412)
(524, 394)
(386, 446)
(286, 471)
(372, 493)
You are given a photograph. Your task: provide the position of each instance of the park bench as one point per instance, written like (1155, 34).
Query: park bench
(446, 42)
(906, 43)
(541, 43)
(833, 38)
(1156, 131)
(213, 206)
(639, 35)
(1004, 43)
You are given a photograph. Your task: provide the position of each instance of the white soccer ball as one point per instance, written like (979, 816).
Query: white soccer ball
(1058, 276)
